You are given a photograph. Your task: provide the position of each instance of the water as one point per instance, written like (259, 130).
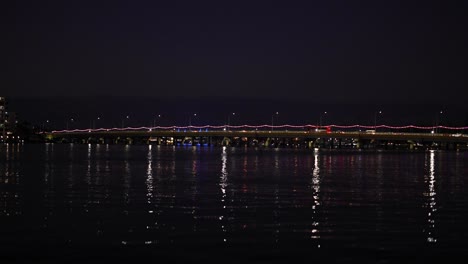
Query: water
(90, 203)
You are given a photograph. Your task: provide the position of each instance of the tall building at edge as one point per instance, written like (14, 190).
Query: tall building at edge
(7, 119)
(2, 116)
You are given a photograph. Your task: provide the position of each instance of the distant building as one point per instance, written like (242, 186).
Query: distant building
(8, 120)
(3, 116)
(11, 121)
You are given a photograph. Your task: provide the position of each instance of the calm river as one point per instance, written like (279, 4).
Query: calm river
(92, 203)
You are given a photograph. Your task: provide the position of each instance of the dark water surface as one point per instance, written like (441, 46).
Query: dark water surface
(94, 203)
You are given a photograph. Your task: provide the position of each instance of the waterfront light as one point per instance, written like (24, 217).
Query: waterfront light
(154, 119)
(71, 120)
(123, 120)
(94, 122)
(229, 119)
(272, 118)
(190, 118)
(375, 118)
(321, 116)
(438, 121)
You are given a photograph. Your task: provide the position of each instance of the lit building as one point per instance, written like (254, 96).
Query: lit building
(3, 116)
(11, 120)
(8, 120)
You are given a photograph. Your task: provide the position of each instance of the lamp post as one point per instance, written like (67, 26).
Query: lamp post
(438, 121)
(71, 120)
(190, 119)
(45, 125)
(229, 119)
(123, 120)
(154, 120)
(94, 122)
(375, 119)
(321, 117)
(272, 118)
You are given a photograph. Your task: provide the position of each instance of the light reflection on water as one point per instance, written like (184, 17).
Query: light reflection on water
(147, 195)
(431, 198)
(315, 234)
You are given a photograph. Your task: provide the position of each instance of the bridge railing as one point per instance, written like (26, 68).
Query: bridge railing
(277, 128)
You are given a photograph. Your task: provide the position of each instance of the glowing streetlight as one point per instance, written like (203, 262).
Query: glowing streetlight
(190, 119)
(272, 118)
(438, 121)
(45, 125)
(321, 117)
(123, 120)
(375, 118)
(94, 122)
(154, 120)
(71, 120)
(229, 119)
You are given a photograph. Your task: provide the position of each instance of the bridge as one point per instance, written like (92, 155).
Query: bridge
(264, 136)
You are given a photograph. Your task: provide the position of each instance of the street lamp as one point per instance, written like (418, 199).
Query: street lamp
(438, 121)
(190, 119)
(229, 119)
(71, 120)
(94, 122)
(123, 120)
(272, 118)
(321, 115)
(154, 120)
(45, 126)
(375, 118)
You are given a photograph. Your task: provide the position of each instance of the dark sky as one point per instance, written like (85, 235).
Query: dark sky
(328, 51)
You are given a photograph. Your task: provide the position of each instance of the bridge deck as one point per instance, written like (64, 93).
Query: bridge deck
(397, 136)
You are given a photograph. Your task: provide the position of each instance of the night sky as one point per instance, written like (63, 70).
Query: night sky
(334, 52)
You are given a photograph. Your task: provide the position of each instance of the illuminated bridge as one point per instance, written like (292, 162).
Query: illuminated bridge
(308, 136)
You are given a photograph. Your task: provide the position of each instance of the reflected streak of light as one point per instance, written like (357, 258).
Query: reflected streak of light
(88, 169)
(276, 161)
(98, 154)
(195, 187)
(194, 161)
(224, 174)
(244, 167)
(296, 165)
(10, 198)
(149, 176)
(7, 152)
(46, 171)
(315, 234)
(88, 175)
(127, 176)
(431, 199)
(223, 185)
